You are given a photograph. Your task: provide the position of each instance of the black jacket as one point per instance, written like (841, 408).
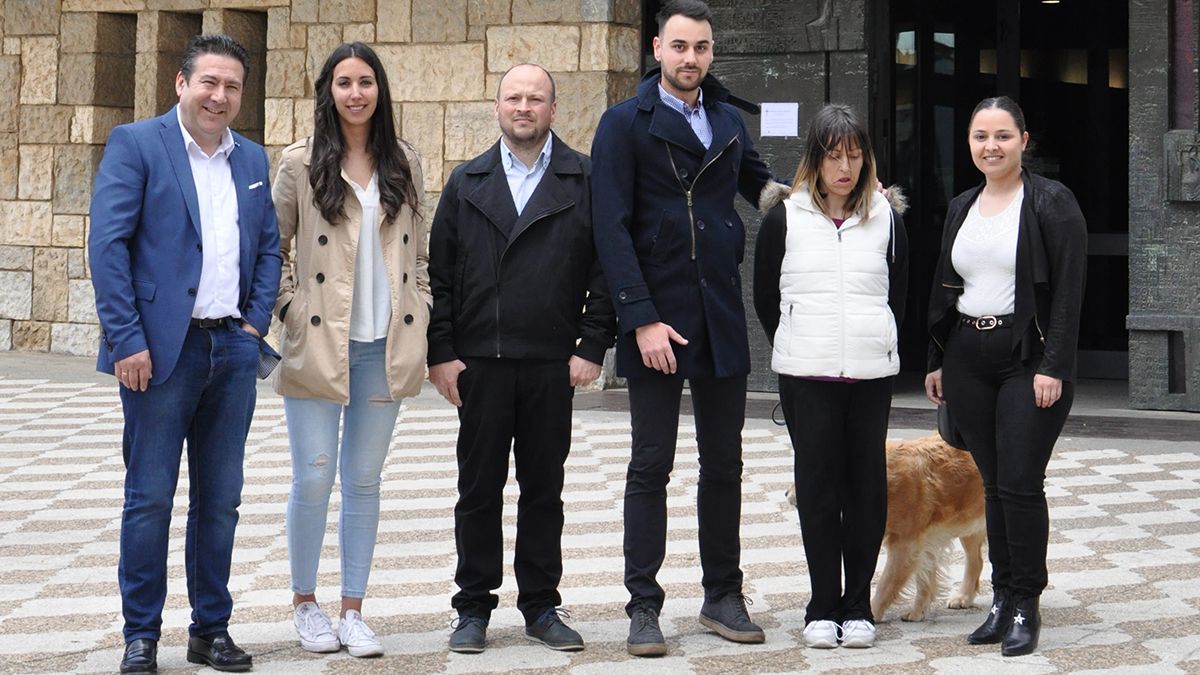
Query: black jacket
(1051, 267)
(509, 286)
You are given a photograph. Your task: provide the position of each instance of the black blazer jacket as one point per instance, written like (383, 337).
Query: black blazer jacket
(1051, 268)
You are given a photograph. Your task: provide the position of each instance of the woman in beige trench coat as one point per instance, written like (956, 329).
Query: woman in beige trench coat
(354, 301)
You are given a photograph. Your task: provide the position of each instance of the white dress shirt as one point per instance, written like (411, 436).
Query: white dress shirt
(371, 305)
(218, 291)
(523, 180)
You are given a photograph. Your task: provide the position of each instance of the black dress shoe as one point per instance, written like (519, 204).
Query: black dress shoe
(1022, 636)
(995, 626)
(218, 652)
(141, 656)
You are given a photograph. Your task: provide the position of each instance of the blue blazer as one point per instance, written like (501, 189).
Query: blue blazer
(666, 260)
(145, 244)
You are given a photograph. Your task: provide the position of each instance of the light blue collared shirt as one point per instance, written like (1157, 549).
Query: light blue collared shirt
(697, 118)
(523, 180)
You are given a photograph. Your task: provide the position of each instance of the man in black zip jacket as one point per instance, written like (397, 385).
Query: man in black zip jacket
(520, 317)
(668, 165)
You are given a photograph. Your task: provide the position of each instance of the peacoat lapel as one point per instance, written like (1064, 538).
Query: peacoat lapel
(492, 196)
(724, 130)
(550, 196)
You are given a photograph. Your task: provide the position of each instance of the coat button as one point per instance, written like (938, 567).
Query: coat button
(621, 295)
(733, 281)
(408, 319)
(322, 240)
(700, 224)
(320, 277)
(192, 292)
(729, 223)
(703, 282)
(406, 238)
(683, 173)
(405, 279)
(316, 321)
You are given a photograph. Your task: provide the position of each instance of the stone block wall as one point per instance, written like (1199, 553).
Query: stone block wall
(1164, 217)
(71, 70)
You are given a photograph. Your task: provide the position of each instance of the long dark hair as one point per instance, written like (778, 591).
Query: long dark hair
(833, 126)
(1007, 105)
(394, 175)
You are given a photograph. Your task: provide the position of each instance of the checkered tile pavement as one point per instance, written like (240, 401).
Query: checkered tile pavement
(1125, 543)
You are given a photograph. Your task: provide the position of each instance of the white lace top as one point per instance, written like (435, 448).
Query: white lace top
(985, 256)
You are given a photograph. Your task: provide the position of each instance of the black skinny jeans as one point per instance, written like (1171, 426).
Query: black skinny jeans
(839, 430)
(990, 394)
(719, 405)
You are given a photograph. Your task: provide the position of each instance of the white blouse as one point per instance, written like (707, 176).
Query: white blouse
(985, 256)
(371, 308)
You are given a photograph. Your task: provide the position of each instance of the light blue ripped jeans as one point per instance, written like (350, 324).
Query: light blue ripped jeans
(313, 435)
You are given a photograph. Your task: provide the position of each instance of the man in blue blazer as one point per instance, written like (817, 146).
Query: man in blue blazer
(666, 168)
(185, 262)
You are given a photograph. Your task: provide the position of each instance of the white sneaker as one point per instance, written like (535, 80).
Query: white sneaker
(315, 629)
(858, 634)
(359, 639)
(821, 634)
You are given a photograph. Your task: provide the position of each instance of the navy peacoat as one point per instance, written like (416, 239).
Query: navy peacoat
(667, 234)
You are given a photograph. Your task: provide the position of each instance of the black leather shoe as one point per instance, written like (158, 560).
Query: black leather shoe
(1022, 637)
(141, 656)
(995, 626)
(219, 653)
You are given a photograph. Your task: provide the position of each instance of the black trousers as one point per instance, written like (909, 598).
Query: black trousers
(990, 394)
(720, 411)
(838, 432)
(525, 405)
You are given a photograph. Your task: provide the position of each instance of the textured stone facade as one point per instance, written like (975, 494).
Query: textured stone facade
(71, 70)
(1164, 217)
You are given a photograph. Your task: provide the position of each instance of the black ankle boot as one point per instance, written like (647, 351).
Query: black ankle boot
(995, 626)
(1022, 637)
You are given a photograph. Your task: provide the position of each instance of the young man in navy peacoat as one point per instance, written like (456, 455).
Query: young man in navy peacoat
(667, 166)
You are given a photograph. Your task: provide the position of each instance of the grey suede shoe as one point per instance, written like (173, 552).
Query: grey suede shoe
(550, 630)
(645, 637)
(469, 636)
(729, 618)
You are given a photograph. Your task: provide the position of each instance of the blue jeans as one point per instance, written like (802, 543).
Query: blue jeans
(313, 424)
(209, 401)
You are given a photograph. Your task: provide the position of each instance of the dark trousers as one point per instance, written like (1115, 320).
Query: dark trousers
(208, 401)
(838, 432)
(990, 393)
(525, 405)
(720, 410)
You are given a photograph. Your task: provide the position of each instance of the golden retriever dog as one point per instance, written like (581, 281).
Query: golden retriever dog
(935, 495)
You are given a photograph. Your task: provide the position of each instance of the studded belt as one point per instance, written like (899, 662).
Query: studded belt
(987, 322)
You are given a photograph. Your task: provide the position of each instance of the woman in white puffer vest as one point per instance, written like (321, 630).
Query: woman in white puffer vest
(830, 278)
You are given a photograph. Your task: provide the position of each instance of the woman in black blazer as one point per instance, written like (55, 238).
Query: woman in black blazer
(1004, 321)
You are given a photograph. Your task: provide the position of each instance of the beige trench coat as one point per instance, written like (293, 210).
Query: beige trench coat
(317, 286)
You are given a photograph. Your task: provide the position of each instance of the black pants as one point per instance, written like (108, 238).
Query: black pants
(990, 393)
(720, 409)
(525, 405)
(838, 431)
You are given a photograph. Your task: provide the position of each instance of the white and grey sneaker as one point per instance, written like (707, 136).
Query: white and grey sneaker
(858, 634)
(821, 634)
(358, 638)
(315, 629)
